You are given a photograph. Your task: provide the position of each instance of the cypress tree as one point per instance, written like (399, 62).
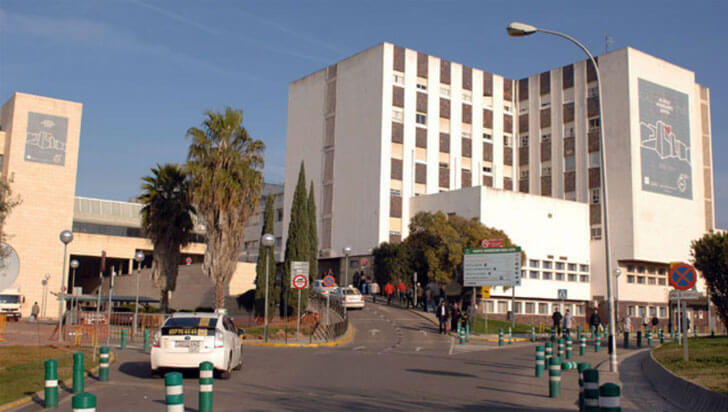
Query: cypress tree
(297, 244)
(268, 254)
(313, 233)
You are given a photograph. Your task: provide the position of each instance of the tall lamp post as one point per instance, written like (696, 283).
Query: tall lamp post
(138, 258)
(517, 29)
(45, 293)
(66, 237)
(74, 266)
(347, 252)
(267, 241)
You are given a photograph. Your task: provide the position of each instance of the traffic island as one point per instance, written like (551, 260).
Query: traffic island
(343, 339)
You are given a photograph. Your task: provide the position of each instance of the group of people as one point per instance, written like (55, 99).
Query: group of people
(449, 315)
(563, 324)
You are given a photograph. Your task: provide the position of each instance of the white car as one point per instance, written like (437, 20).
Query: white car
(349, 297)
(318, 287)
(187, 339)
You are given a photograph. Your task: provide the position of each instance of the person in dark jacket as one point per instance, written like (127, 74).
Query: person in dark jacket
(455, 317)
(557, 321)
(594, 320)
(442, 315)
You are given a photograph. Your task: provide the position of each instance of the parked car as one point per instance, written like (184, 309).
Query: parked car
(318, 287)
(186, 339)
(349, 297)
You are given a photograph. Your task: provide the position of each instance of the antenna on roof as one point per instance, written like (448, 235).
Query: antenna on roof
(608, 43)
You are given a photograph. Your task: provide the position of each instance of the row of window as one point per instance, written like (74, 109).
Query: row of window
(642, 311)
(445, 91)
(569, 277)
(592, 91)
(529, 308)
(648, 280)
(550, 264)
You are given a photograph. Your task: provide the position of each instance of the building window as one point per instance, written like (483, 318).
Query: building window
(547, 264)
(630, 268)
(641, 280)
(533, 274)
(580, 310)
(569, 131)
(279, 215)
(630, 310)
(653, 311)
(502, 307)
(594, 124)
(643, 311)
(662, 281)
(487, 170)
(572, 267)
(584, 278)
(583, 268)
(466, 135)
(422, 87)
(546, 170)
(543, 308)
(570, 195)
(397, 115)
(533, 263)
(663, 312)
(569, 163)
(593, 92)
(560, 266)
(421, 118)
(488, 137)
(467, 97)
(530, 307)
(395, 192)
(594, 194)
(596, 233)
(524, 140)
(640, 269)
(559, 276)
(546, 137)
(651, 281)
(399, 79)
(516, 307)
(572, 277)
(507, 108)
(524, 173)
(489, 306)
(546, 276)
(445, 91)
(507, 140)
(595, 159)
(630, 279)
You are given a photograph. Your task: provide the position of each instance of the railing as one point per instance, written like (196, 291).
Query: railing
(89, 328)
(334, 323)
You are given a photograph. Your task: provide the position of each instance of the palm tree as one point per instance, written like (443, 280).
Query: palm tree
(224, 164)
(167, 221)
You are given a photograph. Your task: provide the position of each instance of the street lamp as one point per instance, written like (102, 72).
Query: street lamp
(138, 258)
(74, 266)
(44, 282)
(66, 237)
(267, 241)
(518, 29)
(347, 252)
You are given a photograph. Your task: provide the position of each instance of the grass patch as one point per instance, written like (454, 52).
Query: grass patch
(494, 325)
(22, 368)
(708, 364)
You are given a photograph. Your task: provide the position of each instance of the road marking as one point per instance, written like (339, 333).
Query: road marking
(360, 348)
(452, 344)
(373, 331)
(419, 348)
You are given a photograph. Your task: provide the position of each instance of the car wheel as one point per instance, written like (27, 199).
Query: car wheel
(240, 364)
(156, 373)
(226, 373)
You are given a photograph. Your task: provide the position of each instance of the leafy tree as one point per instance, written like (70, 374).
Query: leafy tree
(224, 164)
(298, 246)
(7, 203)
(267, 254)
(313, 233)
(167, 221)
(711, 258)
(390, 263)
(435, 246)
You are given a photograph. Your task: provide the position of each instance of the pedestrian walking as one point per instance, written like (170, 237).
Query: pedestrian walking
(645, 322)
(375, 291)
(454, 317)
(595, 321)
(627, 325)
(389, 291)
(420, 294)
(471, 315)
(442, 315)
(428, 299)
(655, 322)
(34, 312)
(567, 322)
(401, 291)
(557, 320)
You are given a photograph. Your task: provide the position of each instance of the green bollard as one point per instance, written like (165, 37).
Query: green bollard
(561, 348)
(104, 363)
(146, 341)
(649, 338)
(555, 378)
(662, 336)
(461, 336)
(467, 331)
(581, 368)
(540, 360)
(639, 339)
(533, 334)
(83, 402)
(569, 347)
(592, 332)
(123, 339)
(206, 378)
(51, 383)
(549, 352)
(626, 339)
(598, 343)
(582, 345)
(609, 398)
(510, 336)
(591, 390)
(500, 337)
(174, 394)
(695, 329)
(78, 371)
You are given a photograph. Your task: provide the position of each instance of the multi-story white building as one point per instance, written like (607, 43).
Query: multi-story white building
(254, 224)
(383, 131)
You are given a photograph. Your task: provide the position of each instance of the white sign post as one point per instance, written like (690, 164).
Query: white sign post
(299, 280)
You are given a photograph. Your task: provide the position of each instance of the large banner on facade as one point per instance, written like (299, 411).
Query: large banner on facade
(665, 140)
(45, 141)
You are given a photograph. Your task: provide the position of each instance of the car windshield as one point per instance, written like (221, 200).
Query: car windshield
(351, 292)
(189, 326)
(9, 299)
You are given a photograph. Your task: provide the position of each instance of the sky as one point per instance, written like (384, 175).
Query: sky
(146, 70)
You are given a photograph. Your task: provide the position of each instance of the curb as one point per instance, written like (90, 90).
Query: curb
(472, 337)
(39, 394)
(695, 397)
(346, 339)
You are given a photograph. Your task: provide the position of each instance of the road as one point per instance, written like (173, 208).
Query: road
(396, 361)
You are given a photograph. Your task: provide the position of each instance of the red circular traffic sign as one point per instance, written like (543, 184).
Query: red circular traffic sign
(682, 276)
(364, 262)
(188, 260)
(329, 281)
(300, 281)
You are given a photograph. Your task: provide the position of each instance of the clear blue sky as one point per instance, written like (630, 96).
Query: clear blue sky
(147, 70)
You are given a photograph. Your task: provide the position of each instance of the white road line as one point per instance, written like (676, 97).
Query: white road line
(452, 344)
(360, 348)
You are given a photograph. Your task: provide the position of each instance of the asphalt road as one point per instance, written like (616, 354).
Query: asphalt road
(396, 361)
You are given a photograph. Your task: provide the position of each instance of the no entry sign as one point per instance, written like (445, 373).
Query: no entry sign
(300, 281)
(682, 276)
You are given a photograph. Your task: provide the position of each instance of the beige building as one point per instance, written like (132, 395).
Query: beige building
(381, 129)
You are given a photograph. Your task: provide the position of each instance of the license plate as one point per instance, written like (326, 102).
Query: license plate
(182, 344)
(194, 347)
